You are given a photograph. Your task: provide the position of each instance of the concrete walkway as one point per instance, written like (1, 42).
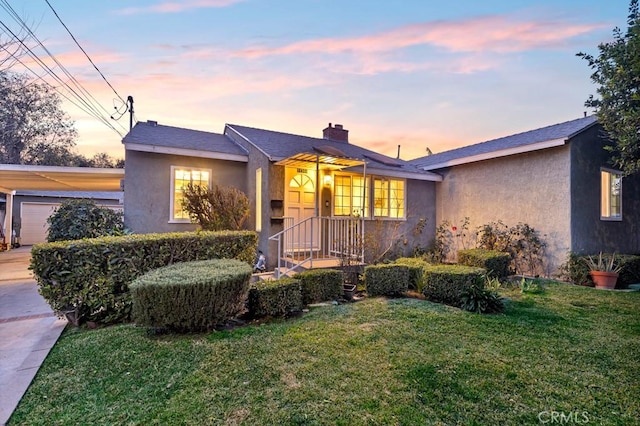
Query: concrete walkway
(28, 329)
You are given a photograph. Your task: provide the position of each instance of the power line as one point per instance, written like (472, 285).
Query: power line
(84, 97)
(83, 51)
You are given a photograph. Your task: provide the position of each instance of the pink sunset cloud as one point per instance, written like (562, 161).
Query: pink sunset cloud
(177, 7)
(498, 34)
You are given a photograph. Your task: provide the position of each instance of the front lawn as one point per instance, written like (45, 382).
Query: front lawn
(572, 351)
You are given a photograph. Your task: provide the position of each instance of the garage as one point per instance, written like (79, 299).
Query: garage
(34, 225)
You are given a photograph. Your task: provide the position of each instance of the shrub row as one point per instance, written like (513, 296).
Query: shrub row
(274, 298)
(386, 280)
(416, 271)
(446, 283)
(87, 280)
(191, 296)
(320, 285)
(495, 262)
(576, 270)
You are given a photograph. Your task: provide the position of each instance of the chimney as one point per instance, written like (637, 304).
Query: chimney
(152, 123)
(336, 133)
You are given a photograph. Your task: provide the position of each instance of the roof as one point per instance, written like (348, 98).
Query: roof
(546, 137)
(279, 146)
(150, 136)
(95, 195)
(17, 177)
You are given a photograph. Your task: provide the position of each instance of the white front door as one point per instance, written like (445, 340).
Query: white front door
(300, 205)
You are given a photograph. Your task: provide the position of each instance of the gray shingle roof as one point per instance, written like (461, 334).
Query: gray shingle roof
(564, 130)
(151, 133)
(279, 145)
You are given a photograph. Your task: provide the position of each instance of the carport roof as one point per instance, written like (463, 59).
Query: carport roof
(15, 177)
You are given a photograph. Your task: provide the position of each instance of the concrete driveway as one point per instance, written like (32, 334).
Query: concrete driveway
(28, 329)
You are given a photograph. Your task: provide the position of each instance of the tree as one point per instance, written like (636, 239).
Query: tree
(33, 127)
(216, 208)
(617, 73)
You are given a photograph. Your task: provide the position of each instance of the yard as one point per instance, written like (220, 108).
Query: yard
(570, 352)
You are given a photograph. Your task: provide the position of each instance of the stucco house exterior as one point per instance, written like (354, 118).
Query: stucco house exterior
(557, 179)
(311, 198)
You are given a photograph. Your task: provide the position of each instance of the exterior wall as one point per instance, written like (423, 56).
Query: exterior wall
(147, 188)
(531, 188)
(590, 234)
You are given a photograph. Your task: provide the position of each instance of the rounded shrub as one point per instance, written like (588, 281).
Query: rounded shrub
(191, 296)
(81, 218)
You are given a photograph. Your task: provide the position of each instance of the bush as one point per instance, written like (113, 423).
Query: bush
(416, 271)
(88, 280)
(446, 283)
(575, 270)
(217, 208)
(481, 300)
(320, 285)
(191, 296)
(78, 219)
(274, 298)
(386, 280)
(495, 262)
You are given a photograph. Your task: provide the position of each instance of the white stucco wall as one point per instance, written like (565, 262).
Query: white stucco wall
(532, 188)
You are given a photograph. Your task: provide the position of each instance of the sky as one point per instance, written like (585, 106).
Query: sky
(415, 73)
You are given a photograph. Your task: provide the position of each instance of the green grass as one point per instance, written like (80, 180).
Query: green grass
(404, 361)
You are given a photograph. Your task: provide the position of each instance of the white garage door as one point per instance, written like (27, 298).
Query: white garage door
(33, 228)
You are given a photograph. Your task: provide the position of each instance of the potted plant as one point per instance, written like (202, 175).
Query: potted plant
(604, 273)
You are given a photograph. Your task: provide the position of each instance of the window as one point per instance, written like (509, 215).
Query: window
(611, 195)
(258, 199)
(350, 196)
(180, 178)
(388, 198)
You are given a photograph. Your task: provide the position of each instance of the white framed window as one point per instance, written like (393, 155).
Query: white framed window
(611, 195)
(180, 178)
(350, 196)
(389, 198)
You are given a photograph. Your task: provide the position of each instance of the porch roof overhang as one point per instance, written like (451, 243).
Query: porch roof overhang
(15, 177)
(303, 159)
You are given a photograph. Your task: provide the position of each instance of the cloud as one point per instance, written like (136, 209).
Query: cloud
(498, 34)
(177, 7)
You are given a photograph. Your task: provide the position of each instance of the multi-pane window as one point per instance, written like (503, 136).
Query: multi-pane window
(349, 197)
(388, 198)
(180, 178)
(611, 195)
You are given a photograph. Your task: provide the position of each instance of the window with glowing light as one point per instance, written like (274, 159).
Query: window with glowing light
(611, 195)
(350, 196)
(388, 198)
(180, 178)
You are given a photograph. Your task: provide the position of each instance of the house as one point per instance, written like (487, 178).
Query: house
(558, 179)
(311, 198)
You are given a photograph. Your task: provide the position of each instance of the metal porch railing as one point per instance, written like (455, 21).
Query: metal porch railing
(315, 238)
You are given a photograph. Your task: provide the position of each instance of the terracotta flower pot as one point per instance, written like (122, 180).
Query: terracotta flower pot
(604, 280)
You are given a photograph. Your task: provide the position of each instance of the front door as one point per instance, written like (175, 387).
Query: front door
(301, 205)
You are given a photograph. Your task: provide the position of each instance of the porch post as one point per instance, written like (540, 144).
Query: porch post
(8, 219)
(364, 207)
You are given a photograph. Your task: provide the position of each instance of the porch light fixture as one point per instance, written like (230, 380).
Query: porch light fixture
(327, 180)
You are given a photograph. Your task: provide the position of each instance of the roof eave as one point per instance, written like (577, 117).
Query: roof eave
(497, 154)
(157, 149)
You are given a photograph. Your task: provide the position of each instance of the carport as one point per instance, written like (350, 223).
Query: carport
(14, 177)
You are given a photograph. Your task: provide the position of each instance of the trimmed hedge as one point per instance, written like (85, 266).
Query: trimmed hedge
(274, 298)
(320, 285)
(446, 283)
(495, 262)
(191, 296)
(416, 271)
(576, 270)
(87, 280)
(386, 280)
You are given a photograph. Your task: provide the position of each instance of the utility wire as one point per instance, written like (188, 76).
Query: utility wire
(84, 97)
(83, 51)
